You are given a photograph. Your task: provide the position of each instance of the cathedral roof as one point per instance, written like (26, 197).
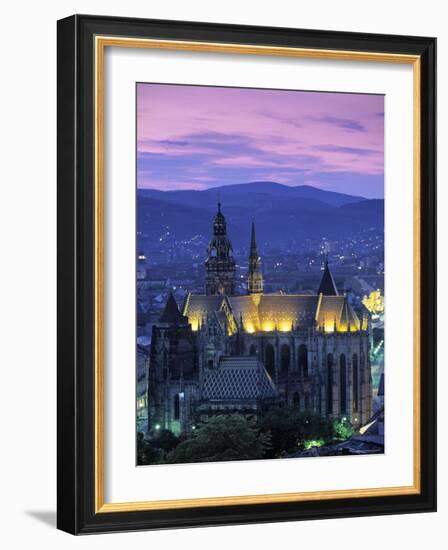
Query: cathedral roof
(222, 319)
(282, 310)
(201, 304)
(245, 308)
(171, 313)
(336, 310)
(327, 285)
(238, 378)
(268, 312)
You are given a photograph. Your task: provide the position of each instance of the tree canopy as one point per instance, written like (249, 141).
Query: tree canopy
(223, 437)
(290, 428)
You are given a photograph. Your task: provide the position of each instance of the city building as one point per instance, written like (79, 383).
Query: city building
(227, 352)
(142, 386)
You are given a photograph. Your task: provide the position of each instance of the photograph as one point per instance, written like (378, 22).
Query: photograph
(260, 296)
(220, 275)
(246, 274)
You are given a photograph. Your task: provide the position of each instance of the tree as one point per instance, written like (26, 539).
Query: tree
(290, 429)
(342, 429)
(146, 452)
(222, 437)
(166, 440)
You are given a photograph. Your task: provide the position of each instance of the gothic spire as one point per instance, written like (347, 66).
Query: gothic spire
(254, 277)
(253, 243)
(327, 285)
(171, 313)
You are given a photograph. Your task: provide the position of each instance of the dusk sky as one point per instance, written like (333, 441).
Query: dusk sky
(199, 137)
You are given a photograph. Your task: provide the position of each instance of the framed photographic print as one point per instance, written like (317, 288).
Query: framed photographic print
(246, 271)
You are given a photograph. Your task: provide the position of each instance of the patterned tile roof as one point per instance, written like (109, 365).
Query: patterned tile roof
(202, 303)
(238, 378)
(197, 306)
(245, 308)
(282, 310)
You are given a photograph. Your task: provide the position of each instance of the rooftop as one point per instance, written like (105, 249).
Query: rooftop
(238, 378)
(270, 312)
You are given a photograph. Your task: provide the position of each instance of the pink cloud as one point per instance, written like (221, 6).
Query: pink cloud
(325, 132)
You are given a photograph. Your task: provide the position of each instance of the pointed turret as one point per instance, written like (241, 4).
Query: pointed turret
(254, 276)
(327, 285)
(171, 314)
(253, 242)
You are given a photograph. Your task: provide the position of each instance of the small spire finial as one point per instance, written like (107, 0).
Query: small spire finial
(255, 277)
(219, 201)
(253, 242)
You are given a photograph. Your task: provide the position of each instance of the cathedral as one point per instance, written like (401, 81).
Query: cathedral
(224, 352)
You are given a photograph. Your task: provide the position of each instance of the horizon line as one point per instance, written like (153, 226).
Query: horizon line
(325, 190)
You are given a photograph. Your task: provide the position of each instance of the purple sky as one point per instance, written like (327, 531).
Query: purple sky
(198, 137)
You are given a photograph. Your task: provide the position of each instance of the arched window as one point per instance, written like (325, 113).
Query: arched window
(302, 358)
(285, 359)
(269, 359)
(296, 400)
(176, 407)
(253, 350)
(355, 383)
(343, 383)
(330, 383)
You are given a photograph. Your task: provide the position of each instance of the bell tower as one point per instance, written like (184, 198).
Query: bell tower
(254, 276)
(220, 264)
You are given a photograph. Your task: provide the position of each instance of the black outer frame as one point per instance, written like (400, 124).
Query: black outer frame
(75, 403)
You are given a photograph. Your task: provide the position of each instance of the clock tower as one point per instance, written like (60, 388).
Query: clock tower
(220, 264)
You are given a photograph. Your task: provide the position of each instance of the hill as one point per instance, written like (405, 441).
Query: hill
(283, 214)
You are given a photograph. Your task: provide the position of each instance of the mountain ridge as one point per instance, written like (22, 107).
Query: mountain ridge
(247, 192)
(280, 220)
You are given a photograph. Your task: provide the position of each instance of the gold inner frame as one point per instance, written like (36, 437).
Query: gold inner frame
(101, 42)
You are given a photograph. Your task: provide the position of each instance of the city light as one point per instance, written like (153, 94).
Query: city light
(249, 327)
(227, 324)
(313, 443)
(285, 326)
(268, 326)
(374, 302)
(378, 347)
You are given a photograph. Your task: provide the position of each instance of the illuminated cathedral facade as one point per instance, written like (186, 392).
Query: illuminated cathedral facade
(224, 352)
